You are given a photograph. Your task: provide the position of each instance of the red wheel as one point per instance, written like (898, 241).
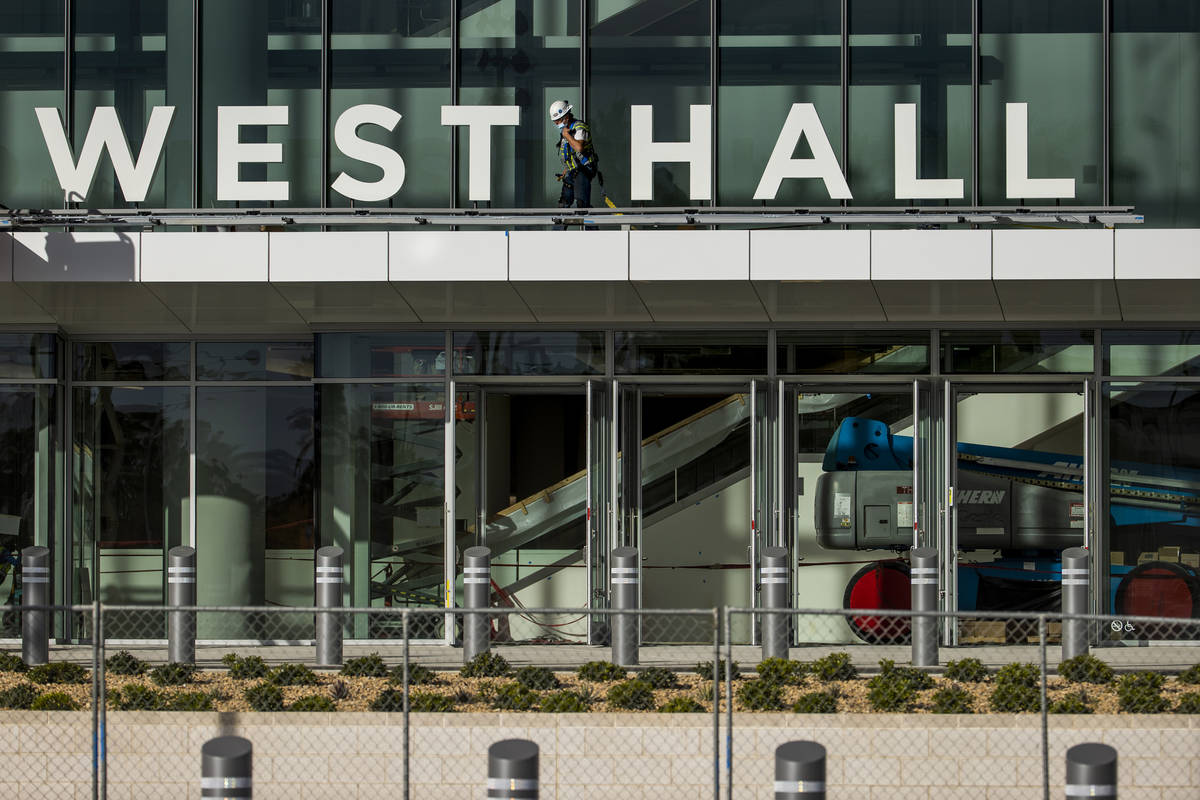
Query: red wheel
(883, 585)
(1158, 589)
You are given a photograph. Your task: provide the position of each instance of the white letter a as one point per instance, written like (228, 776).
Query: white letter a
(802, 120)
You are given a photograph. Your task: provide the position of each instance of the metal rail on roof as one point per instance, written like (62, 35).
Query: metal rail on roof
(33, 219)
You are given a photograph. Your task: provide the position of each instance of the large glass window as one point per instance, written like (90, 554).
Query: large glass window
(850, 352)
(677, 352)
(1152, 353)
(395, 53)
(31, 76)
(528, 353)
(774, 54)
(918, 53)
(261, 53)
(523, 53)
(135, 55)
(985, 352)
(1155, 113)
(644, 52)
(28, 355)
(1049, 55)
(381, 355)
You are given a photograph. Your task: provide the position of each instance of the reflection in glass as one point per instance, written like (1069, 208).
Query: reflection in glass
(1152, 353)
(28, 355)
(382, 496)
(1155, 52)
(646, 53)
(135, 55)
(528, 353)
(524, 54)
(774, 54)
(1017, 351)
(132, 361)
(396, 54)
(254, 361)
(381, 355)
(850, 352)
(130, 484)
(675, 352)
(28, 496)
(254, 505)
(1048, 55)
(914, 52)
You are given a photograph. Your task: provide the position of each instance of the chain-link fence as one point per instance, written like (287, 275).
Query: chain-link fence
(719, 706)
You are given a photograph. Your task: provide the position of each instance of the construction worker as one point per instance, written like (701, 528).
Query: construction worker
(579, 159)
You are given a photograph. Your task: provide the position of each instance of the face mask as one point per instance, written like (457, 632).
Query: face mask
(561, 125)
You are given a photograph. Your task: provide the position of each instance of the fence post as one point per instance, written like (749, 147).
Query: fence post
(513, 769)
(775, 597)
(924, 577)
(35, 596)
(1075, 569)
(1092, 771)
(181, 591)
(800, 771)
(477, 593)
(329, 595)
(625, 598)
(226, 767)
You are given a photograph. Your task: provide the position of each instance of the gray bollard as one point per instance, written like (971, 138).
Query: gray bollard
(35, 592)
(1092, 771)
(226, 767)
(625, 596)
(924, 577)
(775, 596)
(800, 771)
(513, 769)
(1075, 570)
(181, 591)
(477, 593)
(330, 577)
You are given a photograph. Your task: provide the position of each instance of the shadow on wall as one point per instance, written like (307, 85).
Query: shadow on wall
(91, 257)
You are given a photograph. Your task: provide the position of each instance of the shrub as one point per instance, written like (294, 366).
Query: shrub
(20, 696)
(761, 695)
(890, 694)
(393, 700)
(173, 674)
(424, 702)
(600, 672)
(834, 667)
(911, 677)
(1189, 675)
(705, 670)
(816, 703)
(369, 666)
(55, 701)
(564, 703)
(966, 670)
(1076, 703)
(125, 663)
(417, 675)
(486, 665)
(11, 662)
(338, 690)
(513, 697)
(1141, 693)
(250, 668)
(632, 695)
(293, 675)
(536, 678)
(313, 702)
(188, 701)
(780, 671)
(1013, 697)
(1085, 669)
(953, 700)
(658, 678)
(264, 697)
(682, 705)
(137, 697)
(1188, 704)
(1018, 675)
(58, 672)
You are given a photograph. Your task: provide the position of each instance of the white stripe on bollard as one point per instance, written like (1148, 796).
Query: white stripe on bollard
(1091, 790)
(799, 786)
(329, 580)
(226, 783)
(624, 580)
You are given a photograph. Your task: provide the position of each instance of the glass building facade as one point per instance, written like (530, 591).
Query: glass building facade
(415, 430)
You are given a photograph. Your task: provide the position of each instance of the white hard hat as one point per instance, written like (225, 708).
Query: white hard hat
(559, 109)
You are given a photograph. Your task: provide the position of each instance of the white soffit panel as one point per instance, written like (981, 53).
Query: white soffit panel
(1043, 300)
(346, 303)
(583, 301)
(1052, 255)
(74, 257)
(223, 257)
(810, 255)
(820, 301)
(221, 308)
(689, 255)
(465, 301)
(1146, 254)
(6, 256)
(933, 301)
(568, 255)
(702, 301)
(342, 256)
(448, 256)
(914, 255)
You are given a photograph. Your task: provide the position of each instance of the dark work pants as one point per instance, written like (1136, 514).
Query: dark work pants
(576, 191)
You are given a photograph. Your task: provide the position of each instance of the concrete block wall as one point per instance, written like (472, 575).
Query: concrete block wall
(628, 756)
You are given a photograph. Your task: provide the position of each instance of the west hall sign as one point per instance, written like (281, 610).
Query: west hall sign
(75, 174)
